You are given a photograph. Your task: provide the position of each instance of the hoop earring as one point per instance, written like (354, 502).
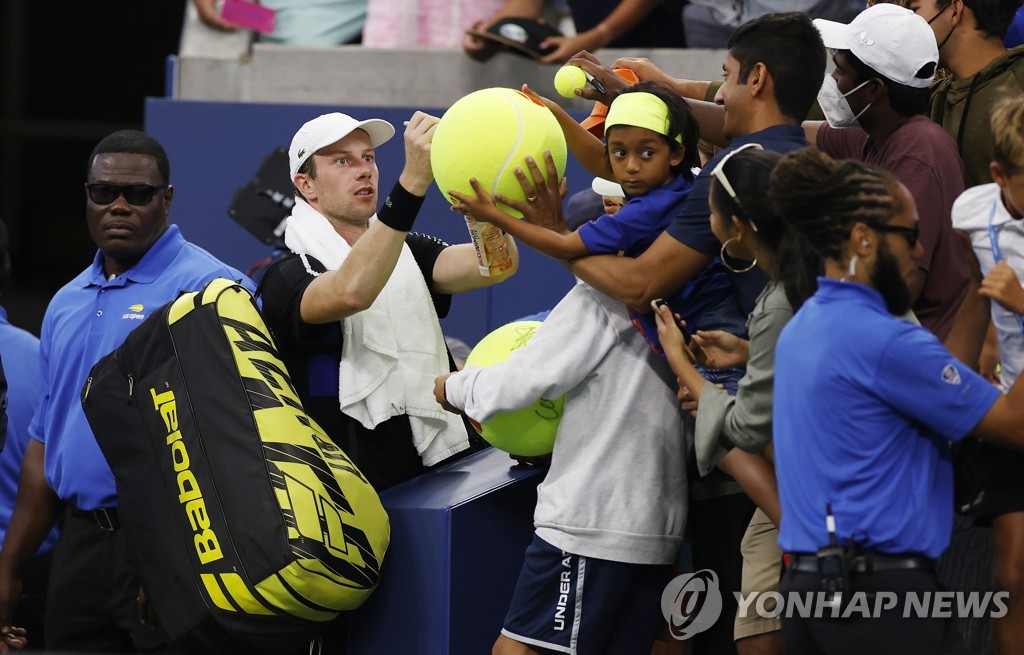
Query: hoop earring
(723, 255)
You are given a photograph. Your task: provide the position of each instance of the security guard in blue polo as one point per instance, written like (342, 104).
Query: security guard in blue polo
(866, 406)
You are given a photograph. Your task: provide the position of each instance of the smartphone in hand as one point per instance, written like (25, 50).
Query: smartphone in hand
(692, 350)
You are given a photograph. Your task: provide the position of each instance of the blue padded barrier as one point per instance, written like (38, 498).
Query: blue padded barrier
(458, 536)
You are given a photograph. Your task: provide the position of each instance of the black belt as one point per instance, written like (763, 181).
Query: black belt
(104, 517)
(866, 562)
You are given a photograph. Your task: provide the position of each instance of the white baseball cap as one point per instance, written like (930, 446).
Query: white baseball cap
(326, 129)
(894, 42)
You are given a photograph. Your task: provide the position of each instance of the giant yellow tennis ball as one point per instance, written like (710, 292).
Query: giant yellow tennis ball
(486, 135)
(568, 79)
(528, 432)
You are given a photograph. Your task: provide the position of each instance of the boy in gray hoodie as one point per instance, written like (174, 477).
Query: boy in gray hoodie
(612, 509)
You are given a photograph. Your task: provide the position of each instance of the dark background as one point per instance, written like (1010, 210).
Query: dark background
(70, 73)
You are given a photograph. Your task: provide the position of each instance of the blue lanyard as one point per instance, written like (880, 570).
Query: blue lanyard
(997, 253)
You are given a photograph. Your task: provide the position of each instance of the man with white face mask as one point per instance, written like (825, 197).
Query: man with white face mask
(874, 103)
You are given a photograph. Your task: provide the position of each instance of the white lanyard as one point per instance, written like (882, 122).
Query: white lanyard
(997, 253)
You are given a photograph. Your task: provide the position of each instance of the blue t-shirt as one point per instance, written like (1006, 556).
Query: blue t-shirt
(19, 351)
(865, 407)
(88, 318)
(692, 225)
(640, 221)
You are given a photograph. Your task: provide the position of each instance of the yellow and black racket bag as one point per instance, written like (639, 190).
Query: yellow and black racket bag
(248, 527)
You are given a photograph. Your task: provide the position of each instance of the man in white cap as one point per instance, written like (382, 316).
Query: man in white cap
(355, 306)
(875, 103)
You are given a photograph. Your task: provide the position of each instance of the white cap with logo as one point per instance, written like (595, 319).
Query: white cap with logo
(894, 42)
(326, 129)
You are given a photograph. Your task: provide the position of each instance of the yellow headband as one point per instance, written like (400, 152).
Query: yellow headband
(640, 110)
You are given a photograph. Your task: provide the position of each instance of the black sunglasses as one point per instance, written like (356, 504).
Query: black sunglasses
(136, 194)
(911, 234)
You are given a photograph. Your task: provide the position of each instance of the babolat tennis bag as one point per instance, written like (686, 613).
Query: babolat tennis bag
(248, 527)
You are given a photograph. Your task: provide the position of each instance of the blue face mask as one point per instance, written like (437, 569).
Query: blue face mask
(835, 105)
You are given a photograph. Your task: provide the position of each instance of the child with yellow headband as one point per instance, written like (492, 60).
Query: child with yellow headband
(651, 148)
(612, 508)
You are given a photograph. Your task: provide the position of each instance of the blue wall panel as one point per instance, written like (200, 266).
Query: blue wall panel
(215, 148)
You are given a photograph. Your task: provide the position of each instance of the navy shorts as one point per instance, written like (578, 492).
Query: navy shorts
(573, 604)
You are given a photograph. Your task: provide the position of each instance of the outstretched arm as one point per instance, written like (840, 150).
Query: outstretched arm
(543, 227)
(710, 115)
(673, 345)
(647, 71)
(457, 270)
(587, 148)
(659, 272)
(483, 49)
(626, 15)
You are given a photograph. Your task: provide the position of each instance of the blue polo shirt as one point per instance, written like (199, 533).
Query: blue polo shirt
(691, 225)
(19, 351)
(865, 408)
(640, 221)
(88, 318)
(633, 229)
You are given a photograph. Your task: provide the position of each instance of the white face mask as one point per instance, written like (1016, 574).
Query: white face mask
(836, 107)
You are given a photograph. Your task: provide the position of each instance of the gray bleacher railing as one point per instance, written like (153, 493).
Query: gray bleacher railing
(214, 65)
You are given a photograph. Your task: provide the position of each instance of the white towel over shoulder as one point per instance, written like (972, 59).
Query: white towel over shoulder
(392, 351)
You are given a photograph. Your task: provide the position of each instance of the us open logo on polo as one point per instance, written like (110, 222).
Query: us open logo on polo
(134, 313)
(951, 374)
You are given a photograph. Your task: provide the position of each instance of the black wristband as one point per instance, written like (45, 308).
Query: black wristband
(400, 209)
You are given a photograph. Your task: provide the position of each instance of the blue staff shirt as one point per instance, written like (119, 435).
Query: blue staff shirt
(19, 351)
(88, 318)
(865, 407)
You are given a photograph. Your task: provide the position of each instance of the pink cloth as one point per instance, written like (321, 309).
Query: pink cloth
(423, 23)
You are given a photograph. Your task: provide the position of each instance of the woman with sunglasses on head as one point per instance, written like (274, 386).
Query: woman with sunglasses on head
(733, 432)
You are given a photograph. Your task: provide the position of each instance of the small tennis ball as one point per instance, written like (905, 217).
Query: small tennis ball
(530, 431)
(568, 79)
(486, 135)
